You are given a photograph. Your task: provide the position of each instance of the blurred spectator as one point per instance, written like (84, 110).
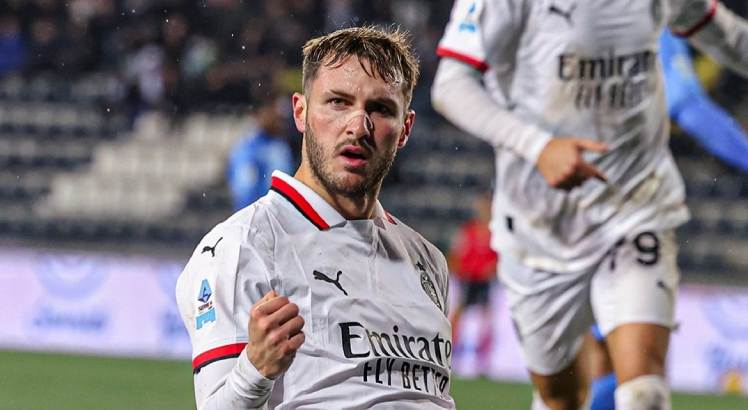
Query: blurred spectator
(256, 156)
(12, 45)
(45, 42)
(473, 264)
(177, 57)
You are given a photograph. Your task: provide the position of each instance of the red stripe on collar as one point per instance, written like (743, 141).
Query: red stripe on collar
(390, 218)
(297, 200)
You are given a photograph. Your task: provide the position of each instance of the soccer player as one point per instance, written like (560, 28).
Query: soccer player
(473, 263)
(689, 105)
(314, 296)
(587, 197)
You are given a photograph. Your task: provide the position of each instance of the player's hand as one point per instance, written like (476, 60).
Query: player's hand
(562, 165)
(274, 334)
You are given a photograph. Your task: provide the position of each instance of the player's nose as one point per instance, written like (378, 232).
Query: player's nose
(359, 124)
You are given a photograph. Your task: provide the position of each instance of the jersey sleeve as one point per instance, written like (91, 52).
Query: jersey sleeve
(715, 30)
(482, 32)
(690, 16)
(226, 275)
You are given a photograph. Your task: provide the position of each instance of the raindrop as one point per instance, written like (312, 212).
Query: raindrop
(203, 194)
(244, 47)
(167, 20)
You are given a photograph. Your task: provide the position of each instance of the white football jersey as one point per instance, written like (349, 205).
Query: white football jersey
(373, 295)
(587, 69)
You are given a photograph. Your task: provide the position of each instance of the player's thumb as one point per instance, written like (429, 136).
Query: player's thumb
(590, 145)
(591, 171)
(268, 297)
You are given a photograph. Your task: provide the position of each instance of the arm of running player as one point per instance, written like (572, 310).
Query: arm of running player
(480, 31)
(714, 29)
(459, 95)
(228, 372)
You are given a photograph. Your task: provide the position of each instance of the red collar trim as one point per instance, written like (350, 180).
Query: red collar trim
(390, 219)
(297, 200)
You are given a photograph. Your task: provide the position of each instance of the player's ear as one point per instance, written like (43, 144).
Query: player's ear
(299, 111)
(410, 118)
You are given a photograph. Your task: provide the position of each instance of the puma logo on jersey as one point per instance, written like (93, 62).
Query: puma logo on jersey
(321, 276)
(212, 249)
(554, 9)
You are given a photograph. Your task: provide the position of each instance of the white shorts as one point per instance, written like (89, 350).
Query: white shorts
(636, 282)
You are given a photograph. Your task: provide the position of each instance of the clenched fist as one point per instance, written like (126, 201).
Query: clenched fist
(562, 165)
(274, 334)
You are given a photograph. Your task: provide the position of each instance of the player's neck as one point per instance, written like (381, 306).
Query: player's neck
(350, 207)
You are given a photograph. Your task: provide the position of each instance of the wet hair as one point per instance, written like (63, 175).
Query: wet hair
(388, 52)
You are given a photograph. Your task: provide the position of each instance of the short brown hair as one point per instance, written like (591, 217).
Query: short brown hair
(388, 51)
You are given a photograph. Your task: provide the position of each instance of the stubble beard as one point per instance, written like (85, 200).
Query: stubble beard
(375, 171)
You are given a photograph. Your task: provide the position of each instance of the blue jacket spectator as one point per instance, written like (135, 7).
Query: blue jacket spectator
(254, 158)
(12, 46)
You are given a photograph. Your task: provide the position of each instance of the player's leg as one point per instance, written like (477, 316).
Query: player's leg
(551, 312)
(466, 333)
(455, 312)
(482, 300)
(634, 302)
(602, 380)
(638, 351)
(563, 390)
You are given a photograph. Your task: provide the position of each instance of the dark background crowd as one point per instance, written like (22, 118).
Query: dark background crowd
(180, 56)
(77, 75)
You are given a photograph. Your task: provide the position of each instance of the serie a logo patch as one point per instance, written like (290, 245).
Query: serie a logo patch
(206, 312)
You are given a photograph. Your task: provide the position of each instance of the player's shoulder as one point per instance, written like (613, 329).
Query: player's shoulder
(245, 227)
(415, 240)
(217, 253)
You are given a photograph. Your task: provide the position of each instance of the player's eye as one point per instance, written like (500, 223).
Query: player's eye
(336, 102)
(382, 109)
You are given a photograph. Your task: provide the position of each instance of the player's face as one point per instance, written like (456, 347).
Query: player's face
(353, 125)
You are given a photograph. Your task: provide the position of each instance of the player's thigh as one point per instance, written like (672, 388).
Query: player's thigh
(550, 312)
(633, 297)
(638, 349)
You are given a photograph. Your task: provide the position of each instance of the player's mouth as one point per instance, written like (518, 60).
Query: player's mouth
(354, 156)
